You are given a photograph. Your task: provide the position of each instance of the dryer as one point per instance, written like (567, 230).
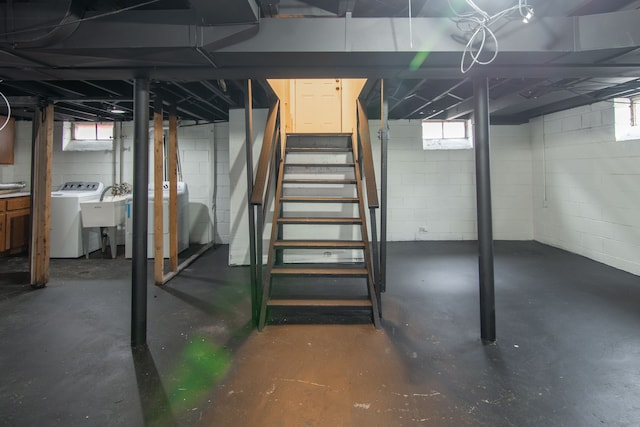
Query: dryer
(66, 222)
(183, 221)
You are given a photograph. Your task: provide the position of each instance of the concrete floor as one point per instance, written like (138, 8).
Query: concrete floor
(568, 349)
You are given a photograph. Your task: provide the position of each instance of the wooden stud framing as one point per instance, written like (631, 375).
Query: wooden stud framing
(158, 161)
(41, 196)
(173, 193)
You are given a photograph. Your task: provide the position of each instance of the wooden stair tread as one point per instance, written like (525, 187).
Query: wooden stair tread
(319, 271)
(317, 134)
(323, 220)
(319, 199)
(318, 150)
(278, 302)
(319, 181)
(319, 244)
(319, 165)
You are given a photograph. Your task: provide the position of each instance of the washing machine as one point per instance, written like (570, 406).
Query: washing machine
(183, 221)
(66, 222)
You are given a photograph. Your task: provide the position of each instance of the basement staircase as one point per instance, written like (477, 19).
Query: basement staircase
(319, 238)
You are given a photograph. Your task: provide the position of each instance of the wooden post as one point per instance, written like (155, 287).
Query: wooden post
(173, 192)
(41, 196)
(157, 194)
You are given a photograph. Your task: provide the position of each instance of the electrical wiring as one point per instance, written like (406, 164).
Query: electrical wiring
(8, 111)
(76, 21)
(477, 24)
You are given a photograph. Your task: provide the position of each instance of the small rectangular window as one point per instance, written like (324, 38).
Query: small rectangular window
(87, 136)
(627, 118)
(83, 131)
(446, 134)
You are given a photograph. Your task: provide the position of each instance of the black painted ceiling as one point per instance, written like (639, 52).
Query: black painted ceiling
(84, 55)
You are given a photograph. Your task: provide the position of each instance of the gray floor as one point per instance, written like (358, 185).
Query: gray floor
(568, 349)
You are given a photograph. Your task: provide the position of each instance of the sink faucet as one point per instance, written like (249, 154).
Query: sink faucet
(104, 192)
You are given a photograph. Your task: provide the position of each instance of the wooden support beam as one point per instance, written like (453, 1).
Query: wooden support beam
(41, 196)
(158, 161)
(173, 193)
(187, 262)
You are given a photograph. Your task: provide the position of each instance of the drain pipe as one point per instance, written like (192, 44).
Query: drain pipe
(140, 212)
(114, 153)
(122, 149)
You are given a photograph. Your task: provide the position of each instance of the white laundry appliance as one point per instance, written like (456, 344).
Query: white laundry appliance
(183, 221)
(66, 222)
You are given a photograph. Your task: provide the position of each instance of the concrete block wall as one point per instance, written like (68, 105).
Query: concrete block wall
(432, 195)
(21, 168)
(66, 165)
(197, 156)
(222, 190)
(587, 186)
(197, 152)
(239, 228)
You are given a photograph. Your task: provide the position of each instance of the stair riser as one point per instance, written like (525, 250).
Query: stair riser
(318, 158)
(309, 140)
(279, 274)
(322, 256)
(336, 191)
(324, 231)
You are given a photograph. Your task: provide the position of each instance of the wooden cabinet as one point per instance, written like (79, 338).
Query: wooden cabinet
(7, 141)
(15, 213)
(3, 208)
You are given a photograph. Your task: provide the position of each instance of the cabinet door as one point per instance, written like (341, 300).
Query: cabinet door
(7, 138)
(17, 229)
(2, 232)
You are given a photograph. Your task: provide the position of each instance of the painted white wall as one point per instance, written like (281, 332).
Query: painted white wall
(239, 229)
(562, 180)
(66, 165)
(21, 168)
(198, 154)
(432, 195)
(587, 186)
(427, 190)
(222, 195)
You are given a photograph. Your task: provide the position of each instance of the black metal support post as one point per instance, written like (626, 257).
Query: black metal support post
(248, 115)
(140, 212)
(375, 255)
(259, 233)
(483, 196)
(384, 111)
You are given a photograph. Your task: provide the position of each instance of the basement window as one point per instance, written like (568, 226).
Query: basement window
(627, 118)
(87, 136)
(446, 135)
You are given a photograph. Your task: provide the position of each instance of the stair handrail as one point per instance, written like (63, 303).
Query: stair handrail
(367, 156)
(265, 161)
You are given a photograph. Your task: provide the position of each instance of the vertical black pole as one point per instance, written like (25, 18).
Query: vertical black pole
(384, 113)
(248, 115)
(140, 212)
(483, 196)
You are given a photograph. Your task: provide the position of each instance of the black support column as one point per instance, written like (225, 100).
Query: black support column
(384, 142)
(140, 212)
(483, 196)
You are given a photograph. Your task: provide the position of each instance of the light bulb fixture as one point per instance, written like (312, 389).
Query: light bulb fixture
(528, 16)
(116, 110)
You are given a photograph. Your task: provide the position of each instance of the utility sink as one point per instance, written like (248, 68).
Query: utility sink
(106, 213)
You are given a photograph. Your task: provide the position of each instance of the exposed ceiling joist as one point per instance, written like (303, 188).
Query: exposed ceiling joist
(435, 99)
